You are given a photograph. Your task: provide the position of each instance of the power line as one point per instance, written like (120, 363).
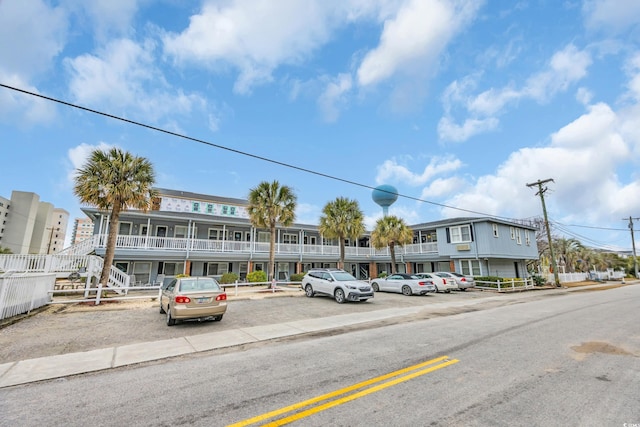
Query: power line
(254, 156)
(243, 153)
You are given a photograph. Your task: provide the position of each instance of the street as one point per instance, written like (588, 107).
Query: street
(569, 359)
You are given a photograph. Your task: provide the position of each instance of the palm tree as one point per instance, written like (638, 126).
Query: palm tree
(391, 231)
(271, 204)
(342, 219)
(115, 180)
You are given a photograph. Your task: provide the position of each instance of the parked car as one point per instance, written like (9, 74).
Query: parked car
(187, 298)
(406, 284)
(462, 282)
(443, 284)
(336, 283)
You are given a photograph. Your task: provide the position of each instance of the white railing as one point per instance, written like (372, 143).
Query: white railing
(507, 285)
(153, 243)
(21, 292)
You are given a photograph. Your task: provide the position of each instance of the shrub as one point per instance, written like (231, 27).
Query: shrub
(538, 280)
(297, 277)
(257, 276)
(178, 276)
(382, 275)
(228, 278)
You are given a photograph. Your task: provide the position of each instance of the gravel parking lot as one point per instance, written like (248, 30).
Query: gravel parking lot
(60, 329)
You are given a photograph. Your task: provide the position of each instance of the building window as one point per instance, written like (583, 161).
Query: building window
(232, 210)
(495, 230)
(518, 237)
(225, 210)
(460, 234)
(195, 207)
(180, 231)
(470, 267)
(124, 228)
(527, 238)
(263, 236)
(512, 232)
(290, 238)
(217, 234)
(209, 208)
(173, 268)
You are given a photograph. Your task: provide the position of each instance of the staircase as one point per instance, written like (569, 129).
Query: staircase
(89, 267)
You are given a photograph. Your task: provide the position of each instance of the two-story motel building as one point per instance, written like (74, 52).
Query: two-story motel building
(205, 235)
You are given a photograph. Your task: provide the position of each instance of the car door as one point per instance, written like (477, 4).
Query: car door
(325, 283)
(167, 293)
(393, 283)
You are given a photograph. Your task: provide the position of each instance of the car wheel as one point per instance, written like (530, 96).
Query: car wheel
(375, 287)
(437, 290)
(217, 318)
(161, 309)
(339, 296)
(463, 289)
(170, 320)
(308, 290)
(406, 290)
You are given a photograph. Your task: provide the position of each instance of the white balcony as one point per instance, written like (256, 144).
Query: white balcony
(173, 244)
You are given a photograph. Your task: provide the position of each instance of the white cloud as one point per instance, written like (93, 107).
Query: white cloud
(414, 37)
(16, 107)
(582, 158)
(107, 17)
(612, 15)
(334, 97)
(448, 130)
(33, 34)
(254, 37)
(442, 187)
(565, 68)
(390, 171)
(123, 75)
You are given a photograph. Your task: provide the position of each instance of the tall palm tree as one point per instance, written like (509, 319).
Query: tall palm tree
(342, 219)
(271, 204)
(391, 231)
(114, 180)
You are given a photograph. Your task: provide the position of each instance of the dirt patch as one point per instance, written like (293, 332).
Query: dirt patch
(600, 347)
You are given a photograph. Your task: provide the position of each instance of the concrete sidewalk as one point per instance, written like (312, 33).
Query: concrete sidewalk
(44, 368)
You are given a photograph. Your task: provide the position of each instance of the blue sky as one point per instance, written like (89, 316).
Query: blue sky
(459, 103)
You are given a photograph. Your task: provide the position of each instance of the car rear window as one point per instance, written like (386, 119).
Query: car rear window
(204, 284)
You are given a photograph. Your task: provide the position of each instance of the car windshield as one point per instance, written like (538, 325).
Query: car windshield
(342, 275)
(199, 284)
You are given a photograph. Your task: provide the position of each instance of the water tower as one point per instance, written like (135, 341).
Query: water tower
(384, 195)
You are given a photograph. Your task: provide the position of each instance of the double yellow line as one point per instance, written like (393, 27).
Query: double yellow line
(400, 376)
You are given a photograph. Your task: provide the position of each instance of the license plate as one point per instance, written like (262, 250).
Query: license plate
(202, 300)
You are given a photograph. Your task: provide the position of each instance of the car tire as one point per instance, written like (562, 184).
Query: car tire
(463, 289)
(217, 318)
(375, 287)
(437, 290)
(406, 290)
(170, 320)
(161, 309)
(339, 296)
(308, 291)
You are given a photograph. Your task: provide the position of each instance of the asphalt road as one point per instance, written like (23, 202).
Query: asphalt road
(571, 359)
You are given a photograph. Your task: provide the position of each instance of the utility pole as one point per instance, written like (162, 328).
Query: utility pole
(633, 245)
(541, 192)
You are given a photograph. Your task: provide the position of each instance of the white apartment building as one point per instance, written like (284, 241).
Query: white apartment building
(30, 226)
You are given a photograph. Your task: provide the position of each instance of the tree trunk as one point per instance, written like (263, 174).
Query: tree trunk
(392, 251)
(272, 256)
(341, 262)
(111, 244)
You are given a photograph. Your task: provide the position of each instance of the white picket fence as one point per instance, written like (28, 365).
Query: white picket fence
(20, 292)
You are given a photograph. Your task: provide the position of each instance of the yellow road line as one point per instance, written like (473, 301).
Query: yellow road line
(345, 390)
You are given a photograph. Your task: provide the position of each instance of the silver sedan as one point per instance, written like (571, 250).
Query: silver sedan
(406, 284)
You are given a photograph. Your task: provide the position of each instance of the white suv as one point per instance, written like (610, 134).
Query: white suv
(336, 283)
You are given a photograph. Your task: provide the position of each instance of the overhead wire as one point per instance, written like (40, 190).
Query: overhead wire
(255, 156)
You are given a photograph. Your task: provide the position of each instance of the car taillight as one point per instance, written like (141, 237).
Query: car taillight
(463, 279)
(221, 297)
(182, 300)
(425, 283)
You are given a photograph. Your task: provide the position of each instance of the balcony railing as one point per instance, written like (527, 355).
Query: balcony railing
(172, 244)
